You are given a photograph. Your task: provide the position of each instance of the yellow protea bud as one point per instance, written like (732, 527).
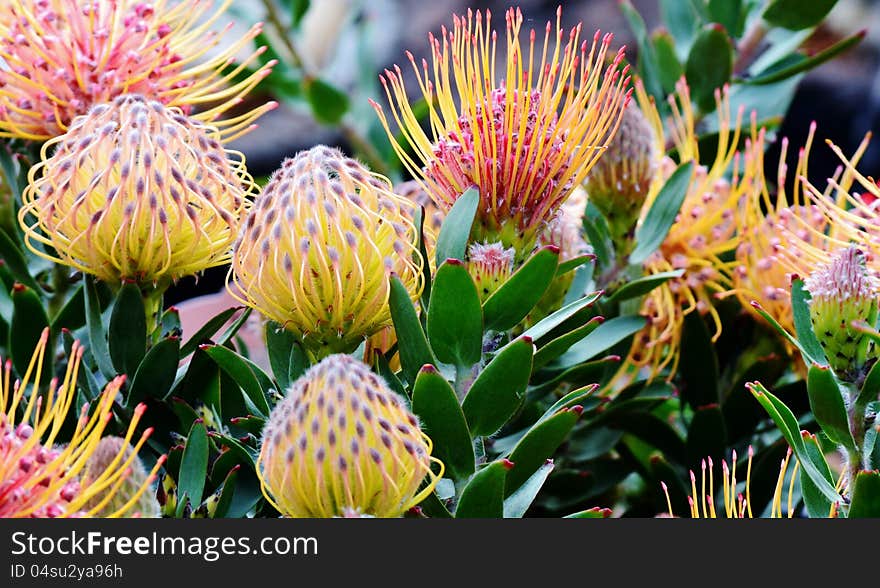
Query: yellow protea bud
(110, 452)
(844, 291)
(489, 265)
(342, 442)
(319, 247)
(136, 191)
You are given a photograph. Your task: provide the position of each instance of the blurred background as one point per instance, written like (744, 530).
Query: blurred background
(343, 45)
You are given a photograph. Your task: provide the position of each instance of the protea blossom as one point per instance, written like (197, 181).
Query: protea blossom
(342, 443)
(318, 249)
(62, 57)
(43, 474)
(525, 133)
(702, 233)
(136, 191)
(736, 500)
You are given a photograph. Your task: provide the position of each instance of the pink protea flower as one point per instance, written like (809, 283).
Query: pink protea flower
(64, 56)
(524, 136)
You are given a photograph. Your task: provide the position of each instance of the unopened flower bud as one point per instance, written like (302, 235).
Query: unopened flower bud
(489, 265)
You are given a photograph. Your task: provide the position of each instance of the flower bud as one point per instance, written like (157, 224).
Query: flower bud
(342, 442)
(116, 452)
(844, 291)
(489, 265)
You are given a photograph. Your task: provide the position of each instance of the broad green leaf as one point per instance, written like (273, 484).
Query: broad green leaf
(817, 503)
(516, 297)
(329, 104)
(660, 217)
(606, 336)
(599, 236)
(826, 403)
(155, 374)
(797, 14)
(436, 405)
(97, 332)
(279, 347)
(225, 494)
(642, 286)
(498, 391)
(194, 464)
(669, 68)
(709, 65)
(865, 496)
(538, 445)
(728, 13)
(871, 386)
(455, 319)
(412, 344)
(518, 503)
(456, 229)
(483, 497)
(28, 321)
(683, 22)
(128, 330)
(800, 309)
(247, 375)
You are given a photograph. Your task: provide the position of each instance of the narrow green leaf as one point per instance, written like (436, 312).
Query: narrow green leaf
(591, 513)
(510, 303)
(800, 309)
(698, 368)
(606, 336)
(456, 229)
(15, 260)
(548, 323)
(155, 374)
(707, 436)
(437, 407)
(518, 503)
(279, 347)
(226, 494)
(643, 285)
(455, 319)
(795, 15)
(561, 344)
(826, 403)
(866, 496)
(204, 334)
(781, 330)
(498, 391)
(651, 233)
(538, 445)
(483, 497)
(871, 386)
(797, 63)
(647, 61)
(28, 321)
(709, 65)
(412, 344)
(598, 235)
(245, 373)
(194, 464)
(683, 22)
(128, 330)
(669, 68)
(817, 503)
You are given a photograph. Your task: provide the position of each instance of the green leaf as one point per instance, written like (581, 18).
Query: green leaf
(483, 497)
(437, 407)
(826, 403)
(683, 21)
(498, 391)
(516, 297)
(128, 330)
(795, 15)
(606, 336)
(800, 309)
(246, 374)
(412, 344)
(781, 330)
(155, 374)
(591, 513)
(456, 229)
(871, 386)
(425, 269)
(561, 344)
(698, 367)
(15, 260)
(538, 445)
(28, 321)
(455, 319)
(329, 104)
(707, 436)
(194, 464)
(518, 503)
(817, 503)
(298, 9)
(709, 65)
(643, 285)
(651, 233)
(728, 13)
(280, 345)
(669, 68)
(226, 494)
(204, 334)
(599, 235)
(647, 62)
(548, 323)
(865, 496)
(795, 64)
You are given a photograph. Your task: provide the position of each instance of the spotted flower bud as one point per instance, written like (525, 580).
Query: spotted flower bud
(842, 292)
(43, 464)
(341, 442)
(110, 453)
(490, 265)
(619, 183)
(136, 191)
(62, 57)
(318, 249)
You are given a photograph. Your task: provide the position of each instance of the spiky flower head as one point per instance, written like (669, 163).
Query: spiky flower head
(110, 452)
(319, 247)
(342, 441)
(136, 191)
(842, 292)
(489, 265)
(62, 57)
(42, 470)
(525, 137)
(618, 184)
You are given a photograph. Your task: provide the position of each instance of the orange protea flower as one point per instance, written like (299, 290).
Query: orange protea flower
(703, 231)
(342, 442)
(61, 57)
(736, 502)
(42, 475)
(319, 246)
(525, 137)
(136, 191)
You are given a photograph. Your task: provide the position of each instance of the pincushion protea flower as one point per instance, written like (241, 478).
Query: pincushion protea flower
(62, 57)
(736, 503)
(41, 475)
(525, 136)
(111, 450)
(341, 442)
(319, 246)
(702, 233)
(136, 191)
